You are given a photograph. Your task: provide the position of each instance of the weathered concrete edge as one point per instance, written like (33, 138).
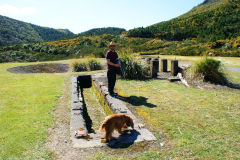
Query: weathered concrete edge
(77, 121)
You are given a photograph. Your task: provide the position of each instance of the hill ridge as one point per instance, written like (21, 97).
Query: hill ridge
(14, 31)
(219, 21)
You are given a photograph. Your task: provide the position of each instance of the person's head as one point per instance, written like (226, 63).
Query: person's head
(112, 45)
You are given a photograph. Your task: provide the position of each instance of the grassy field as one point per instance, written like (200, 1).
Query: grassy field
(25, 112)
(195, 124)
(190, 123)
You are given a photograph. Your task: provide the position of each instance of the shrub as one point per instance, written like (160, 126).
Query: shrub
(94, 65)
(79, 66)
(210, 70)
(132, 69)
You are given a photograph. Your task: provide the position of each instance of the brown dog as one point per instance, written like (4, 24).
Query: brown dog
(115, 121)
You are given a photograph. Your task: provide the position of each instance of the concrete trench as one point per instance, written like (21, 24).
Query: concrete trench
(80, 118)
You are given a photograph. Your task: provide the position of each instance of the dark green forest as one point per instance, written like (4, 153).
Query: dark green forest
(14, 32)
(221, 22)
(101, 31)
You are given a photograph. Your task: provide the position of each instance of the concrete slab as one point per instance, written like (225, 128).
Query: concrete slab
(129, 137)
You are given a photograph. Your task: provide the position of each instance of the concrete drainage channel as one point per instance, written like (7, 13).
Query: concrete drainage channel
(80, 119)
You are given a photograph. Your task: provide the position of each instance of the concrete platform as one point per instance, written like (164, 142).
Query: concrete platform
(119, 141)
(139, 134)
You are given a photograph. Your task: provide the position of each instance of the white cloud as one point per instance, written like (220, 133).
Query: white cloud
(12, 10)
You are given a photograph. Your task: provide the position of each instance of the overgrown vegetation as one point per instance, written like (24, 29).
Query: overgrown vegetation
(133, 69)
(210, 70)
(79, 66)
(94, 65)
(97, 46)
(89, 65)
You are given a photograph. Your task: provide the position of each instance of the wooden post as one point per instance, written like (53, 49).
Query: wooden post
(154, 67)
(164, 65)
(174, 67)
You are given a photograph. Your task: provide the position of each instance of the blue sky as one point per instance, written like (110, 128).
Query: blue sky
(82, 15)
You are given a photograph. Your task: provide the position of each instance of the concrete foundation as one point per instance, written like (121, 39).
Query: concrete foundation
(78, 121)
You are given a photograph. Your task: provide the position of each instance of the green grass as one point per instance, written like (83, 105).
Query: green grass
(234, 76)
(94, 108)
(192, 124)
(199, 124)
(25, 112)
(26, 105)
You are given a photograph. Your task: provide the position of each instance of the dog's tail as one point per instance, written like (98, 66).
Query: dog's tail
(102, 127)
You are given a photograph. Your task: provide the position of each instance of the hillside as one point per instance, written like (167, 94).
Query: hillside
(210, 21)
(205, 6)
(14, 32)
(101, 31)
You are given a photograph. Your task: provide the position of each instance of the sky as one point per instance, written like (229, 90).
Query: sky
(81, 15)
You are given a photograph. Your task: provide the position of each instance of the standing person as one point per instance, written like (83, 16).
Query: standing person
(113, 64)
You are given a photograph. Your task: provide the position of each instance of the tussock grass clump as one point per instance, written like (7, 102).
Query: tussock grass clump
(133, 69)
(79, 66)
(210, 70)
(90, 65)
(94, 65)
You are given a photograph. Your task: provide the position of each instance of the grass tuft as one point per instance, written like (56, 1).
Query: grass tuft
(94, 65)
(133, 69)
(79, 66)
(210, 70)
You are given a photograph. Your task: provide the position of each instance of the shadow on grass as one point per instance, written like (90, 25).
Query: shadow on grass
(136, 101)
(125, 140)
(233, 85)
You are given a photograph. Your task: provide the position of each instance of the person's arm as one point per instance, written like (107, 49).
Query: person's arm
(112, 64)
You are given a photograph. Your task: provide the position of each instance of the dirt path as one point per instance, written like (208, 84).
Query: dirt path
(59, 136)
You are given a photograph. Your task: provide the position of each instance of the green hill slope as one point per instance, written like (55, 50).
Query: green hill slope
(14, 32)
(210, 21)
(101, 31)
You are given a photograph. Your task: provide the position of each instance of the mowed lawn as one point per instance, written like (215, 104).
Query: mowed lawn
(26, 104)
(188, 123)
(198, 124)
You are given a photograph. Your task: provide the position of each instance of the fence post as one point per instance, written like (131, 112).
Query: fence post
(174, 67)
(154, 67)
(164, 65)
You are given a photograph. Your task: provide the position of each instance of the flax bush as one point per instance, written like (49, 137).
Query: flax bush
(133, 69)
